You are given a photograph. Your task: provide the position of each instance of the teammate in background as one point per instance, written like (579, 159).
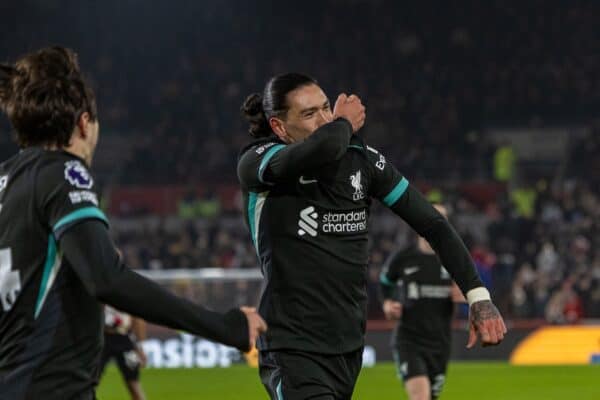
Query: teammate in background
(57, 261)
(308, 181)
(121, 335)
(418, 291)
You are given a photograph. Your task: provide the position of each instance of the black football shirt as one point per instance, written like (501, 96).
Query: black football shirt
(420, 282)
(311, 236)
(50, 327)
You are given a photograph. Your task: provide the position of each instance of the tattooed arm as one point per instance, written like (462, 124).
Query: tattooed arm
(408, 203)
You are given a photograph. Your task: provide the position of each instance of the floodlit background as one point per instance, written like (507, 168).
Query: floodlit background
(491, 106)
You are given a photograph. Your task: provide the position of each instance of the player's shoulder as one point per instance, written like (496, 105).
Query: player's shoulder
(375, 157)
(251, 157)
(371, 155)
(48, 167)
(6, 166)
(23, 159)
(58, 167)
(64, 177)
(257, 148)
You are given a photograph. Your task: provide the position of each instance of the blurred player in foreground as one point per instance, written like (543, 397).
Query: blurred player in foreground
(308, 181)
(57, 260)
(121, 335)
(419, 293)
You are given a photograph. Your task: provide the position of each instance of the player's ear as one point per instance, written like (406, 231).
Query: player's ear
(83, 125)
(279, 128)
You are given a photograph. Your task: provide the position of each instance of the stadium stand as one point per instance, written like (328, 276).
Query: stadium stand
(435, 93)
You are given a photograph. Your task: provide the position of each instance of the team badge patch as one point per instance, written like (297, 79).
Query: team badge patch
(77, 175)
(355, 181)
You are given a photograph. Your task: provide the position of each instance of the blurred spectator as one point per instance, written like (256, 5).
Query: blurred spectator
(524, 198)
(547, 259)
(194, 206)
(564, 306)
(433, 78)
(505, 160)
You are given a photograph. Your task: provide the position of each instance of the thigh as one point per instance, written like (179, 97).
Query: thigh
(351, 369)
(292, 375)
(409, 362)
(270, 373)
(87, 395)
(437, 364)
(127, 359)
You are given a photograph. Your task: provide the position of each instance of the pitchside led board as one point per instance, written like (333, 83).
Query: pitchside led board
(188, 351)
(562, 345)
(545, 345)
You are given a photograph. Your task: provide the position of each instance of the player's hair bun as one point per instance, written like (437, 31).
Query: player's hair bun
(252, 110)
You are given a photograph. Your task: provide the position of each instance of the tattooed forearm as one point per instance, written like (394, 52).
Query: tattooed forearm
(482, 311)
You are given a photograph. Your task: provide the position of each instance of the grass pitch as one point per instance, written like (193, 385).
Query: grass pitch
(465, 381)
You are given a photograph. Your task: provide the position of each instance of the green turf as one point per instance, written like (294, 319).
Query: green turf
(480, 381)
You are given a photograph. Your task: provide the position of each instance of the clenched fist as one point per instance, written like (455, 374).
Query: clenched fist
(351, 108)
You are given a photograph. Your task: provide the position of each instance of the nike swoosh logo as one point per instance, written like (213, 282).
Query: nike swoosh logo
(409, 271)
(306, 181)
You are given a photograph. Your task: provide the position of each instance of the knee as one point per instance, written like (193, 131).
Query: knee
(418, 388)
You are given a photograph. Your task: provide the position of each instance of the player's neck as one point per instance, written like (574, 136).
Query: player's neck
(424, 246)
(76, 148)
(81, 151)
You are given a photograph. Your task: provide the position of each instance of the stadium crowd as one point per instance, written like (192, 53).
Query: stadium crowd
(429, 88)
(433, 78)
(542, 263)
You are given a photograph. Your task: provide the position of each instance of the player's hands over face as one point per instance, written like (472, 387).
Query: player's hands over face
(485, 320)
(256, 325)
(351, 108)
(392, 309)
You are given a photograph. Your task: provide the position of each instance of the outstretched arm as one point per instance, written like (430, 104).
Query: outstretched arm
(92, 255)
(409, 204)
(429, 223)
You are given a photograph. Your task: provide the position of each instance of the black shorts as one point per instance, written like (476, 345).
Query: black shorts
(123, 349)
(412, 360)
(299, 375)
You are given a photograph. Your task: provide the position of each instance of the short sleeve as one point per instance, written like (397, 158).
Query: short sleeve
(254, 162)
(66, 195)
(387, 184)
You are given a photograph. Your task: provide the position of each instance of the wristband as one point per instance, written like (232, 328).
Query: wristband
(478, 294)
